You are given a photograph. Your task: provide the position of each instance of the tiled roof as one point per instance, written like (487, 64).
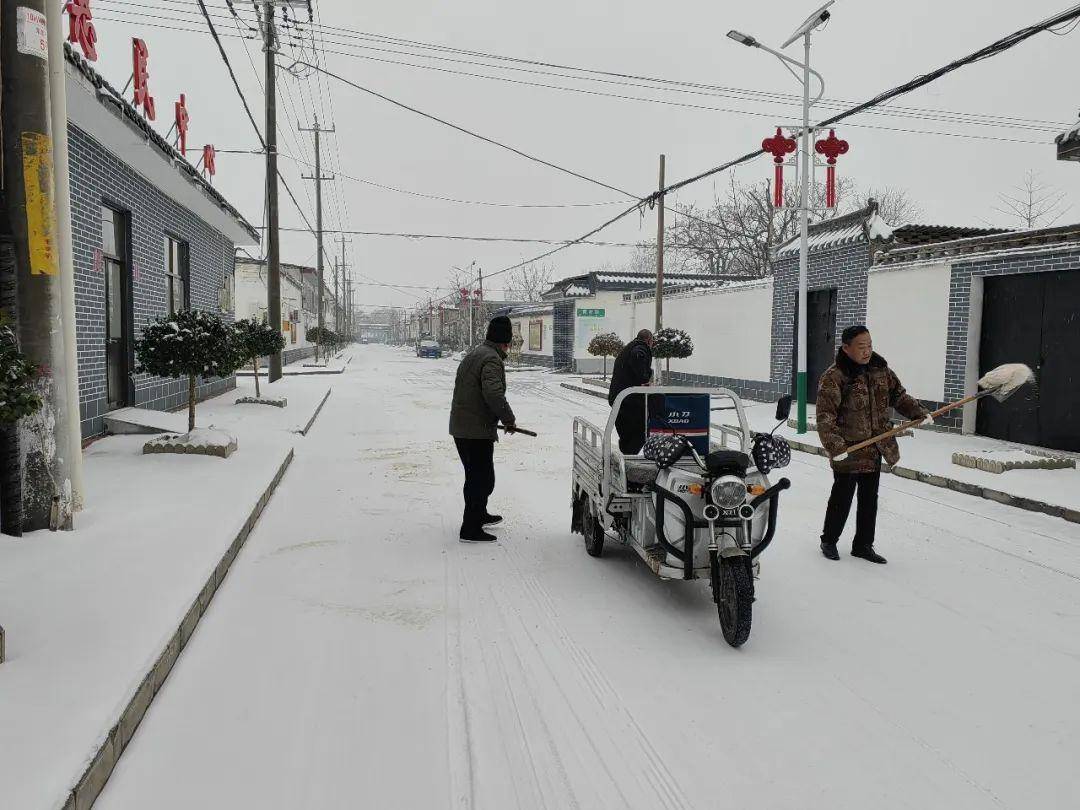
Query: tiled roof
(1063, 237)
(915, 234)
(858, 226)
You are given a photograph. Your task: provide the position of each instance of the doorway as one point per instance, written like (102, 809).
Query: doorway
(1032, 318)
(820, 340)
(117, 308)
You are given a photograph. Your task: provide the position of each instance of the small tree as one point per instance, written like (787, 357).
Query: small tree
(191, 344)
(18, 394)
(672, 343)
(605, 345)
(255, 339)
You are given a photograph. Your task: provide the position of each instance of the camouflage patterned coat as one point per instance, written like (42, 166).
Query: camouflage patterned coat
(853, 405)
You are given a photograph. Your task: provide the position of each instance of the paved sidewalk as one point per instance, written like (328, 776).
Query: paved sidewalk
(95, 618)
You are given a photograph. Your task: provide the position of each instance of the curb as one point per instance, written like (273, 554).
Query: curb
(943, 482)
(304, 430)
(93, 779)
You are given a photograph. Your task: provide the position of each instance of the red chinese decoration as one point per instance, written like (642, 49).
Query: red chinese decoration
(209, 155)
(139, 56)
(831, 147)
(778, 146)
(464, 295)
(80, 27)
(182, 119)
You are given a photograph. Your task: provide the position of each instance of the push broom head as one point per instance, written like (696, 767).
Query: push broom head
(1004, 381)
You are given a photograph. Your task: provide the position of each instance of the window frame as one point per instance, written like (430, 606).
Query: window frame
(173, 274)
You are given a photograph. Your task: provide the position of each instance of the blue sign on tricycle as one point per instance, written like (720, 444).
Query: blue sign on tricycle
(684, 414)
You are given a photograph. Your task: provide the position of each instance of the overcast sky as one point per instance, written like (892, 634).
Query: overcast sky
(868, 46)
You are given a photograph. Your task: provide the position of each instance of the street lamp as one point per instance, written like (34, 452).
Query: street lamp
(814, 21)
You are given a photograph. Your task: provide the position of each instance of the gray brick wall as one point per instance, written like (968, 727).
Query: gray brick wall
(99, 177)
(844, 268)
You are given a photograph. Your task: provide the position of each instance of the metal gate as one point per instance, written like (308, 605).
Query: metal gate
(562, 344)
(1034, 318)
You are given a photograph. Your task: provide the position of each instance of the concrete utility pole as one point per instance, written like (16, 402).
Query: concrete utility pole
(30, 194)
(804, 238)
(343, 266)
(318, 178)
(58, 111)
(273, 246)
(660, 251)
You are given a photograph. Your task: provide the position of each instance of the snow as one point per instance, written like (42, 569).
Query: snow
(86, 613)
(205, 440)
(358, 655)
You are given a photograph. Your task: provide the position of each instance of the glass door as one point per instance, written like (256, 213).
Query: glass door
(117, 308)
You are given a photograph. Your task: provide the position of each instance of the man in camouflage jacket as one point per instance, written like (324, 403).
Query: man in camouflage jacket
(854, 398)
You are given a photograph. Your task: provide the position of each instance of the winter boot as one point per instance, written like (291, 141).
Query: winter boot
(474, 535)
(869, 555)
(829, 550)
(491, 520)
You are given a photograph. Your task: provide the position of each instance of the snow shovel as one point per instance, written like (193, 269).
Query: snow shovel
(999, 383)
(517, 430)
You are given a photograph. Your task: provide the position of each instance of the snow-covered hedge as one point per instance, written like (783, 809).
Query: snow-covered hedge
(18, 394)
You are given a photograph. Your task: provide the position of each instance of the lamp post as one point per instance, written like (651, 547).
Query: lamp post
(814, 21)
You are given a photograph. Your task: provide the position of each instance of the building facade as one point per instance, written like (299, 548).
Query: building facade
(150, 236)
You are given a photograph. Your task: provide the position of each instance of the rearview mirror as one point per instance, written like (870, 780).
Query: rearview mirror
(783, 407)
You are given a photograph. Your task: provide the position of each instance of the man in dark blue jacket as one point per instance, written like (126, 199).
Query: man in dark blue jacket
(633, 367)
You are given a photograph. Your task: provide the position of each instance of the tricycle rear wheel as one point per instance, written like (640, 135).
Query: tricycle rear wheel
(733, 591)
(593, 529)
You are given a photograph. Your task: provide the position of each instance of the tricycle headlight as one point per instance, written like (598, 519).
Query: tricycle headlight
(728, 492)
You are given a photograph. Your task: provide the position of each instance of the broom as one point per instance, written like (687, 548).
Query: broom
(522, 431)
(999, 383)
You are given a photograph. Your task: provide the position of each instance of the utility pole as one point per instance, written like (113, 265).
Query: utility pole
(660, 251)
(318, 178)
(480, 277)
(30, 195)
(343, 266)
(273, 247)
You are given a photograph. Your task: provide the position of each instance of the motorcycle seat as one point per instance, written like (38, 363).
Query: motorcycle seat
(640, 470)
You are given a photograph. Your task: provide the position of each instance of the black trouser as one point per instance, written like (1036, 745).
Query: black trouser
(631, 424)
(477, 457)
(844, 487)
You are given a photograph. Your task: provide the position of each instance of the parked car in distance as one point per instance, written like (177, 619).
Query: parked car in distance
(428, 348)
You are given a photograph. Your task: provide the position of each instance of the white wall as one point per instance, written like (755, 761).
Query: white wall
(251, 299)
(616, 319)
(521, 325)
(907, 312)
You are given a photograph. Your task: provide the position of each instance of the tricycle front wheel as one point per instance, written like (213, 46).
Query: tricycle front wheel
(733, 591)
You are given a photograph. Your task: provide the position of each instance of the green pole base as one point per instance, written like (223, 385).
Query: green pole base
(800, 392)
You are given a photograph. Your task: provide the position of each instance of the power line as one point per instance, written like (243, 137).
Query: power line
(630, 79)
(727, 110)
(521, 240)
(667, 84)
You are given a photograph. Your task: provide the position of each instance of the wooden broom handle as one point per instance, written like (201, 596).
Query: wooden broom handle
(912, 423)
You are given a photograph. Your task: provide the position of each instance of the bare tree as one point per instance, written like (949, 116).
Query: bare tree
(528, 283)
(1034, 204)
(895, 205)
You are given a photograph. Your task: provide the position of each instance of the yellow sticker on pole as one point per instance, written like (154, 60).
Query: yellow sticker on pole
(40, 203)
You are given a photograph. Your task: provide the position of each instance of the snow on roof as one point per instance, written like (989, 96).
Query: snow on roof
(849, 229)
(574, 289)
(979, 248)
(534, 309)
(669, 278)
(1072, 133)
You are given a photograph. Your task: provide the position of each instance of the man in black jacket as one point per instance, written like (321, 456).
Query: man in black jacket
(632, 367)
(478, 405)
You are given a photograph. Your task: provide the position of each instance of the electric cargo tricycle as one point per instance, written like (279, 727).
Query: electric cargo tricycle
(705, 510)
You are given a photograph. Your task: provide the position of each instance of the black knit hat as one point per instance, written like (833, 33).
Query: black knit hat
(500, 330)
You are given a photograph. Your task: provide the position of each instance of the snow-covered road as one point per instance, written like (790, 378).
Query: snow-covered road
(359, 656)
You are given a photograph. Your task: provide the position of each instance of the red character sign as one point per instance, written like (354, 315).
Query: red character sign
(208, 156)
(182, 119)
(778, 146)
(81, 28)
(831, 147)
(139, 56)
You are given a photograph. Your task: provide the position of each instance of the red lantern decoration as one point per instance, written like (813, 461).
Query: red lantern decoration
(831, 147)
(779, 147)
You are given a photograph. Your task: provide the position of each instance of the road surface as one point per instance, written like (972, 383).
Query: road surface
(359, 656)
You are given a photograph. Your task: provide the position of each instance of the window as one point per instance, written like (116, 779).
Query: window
(227, 296)
(177, 276)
